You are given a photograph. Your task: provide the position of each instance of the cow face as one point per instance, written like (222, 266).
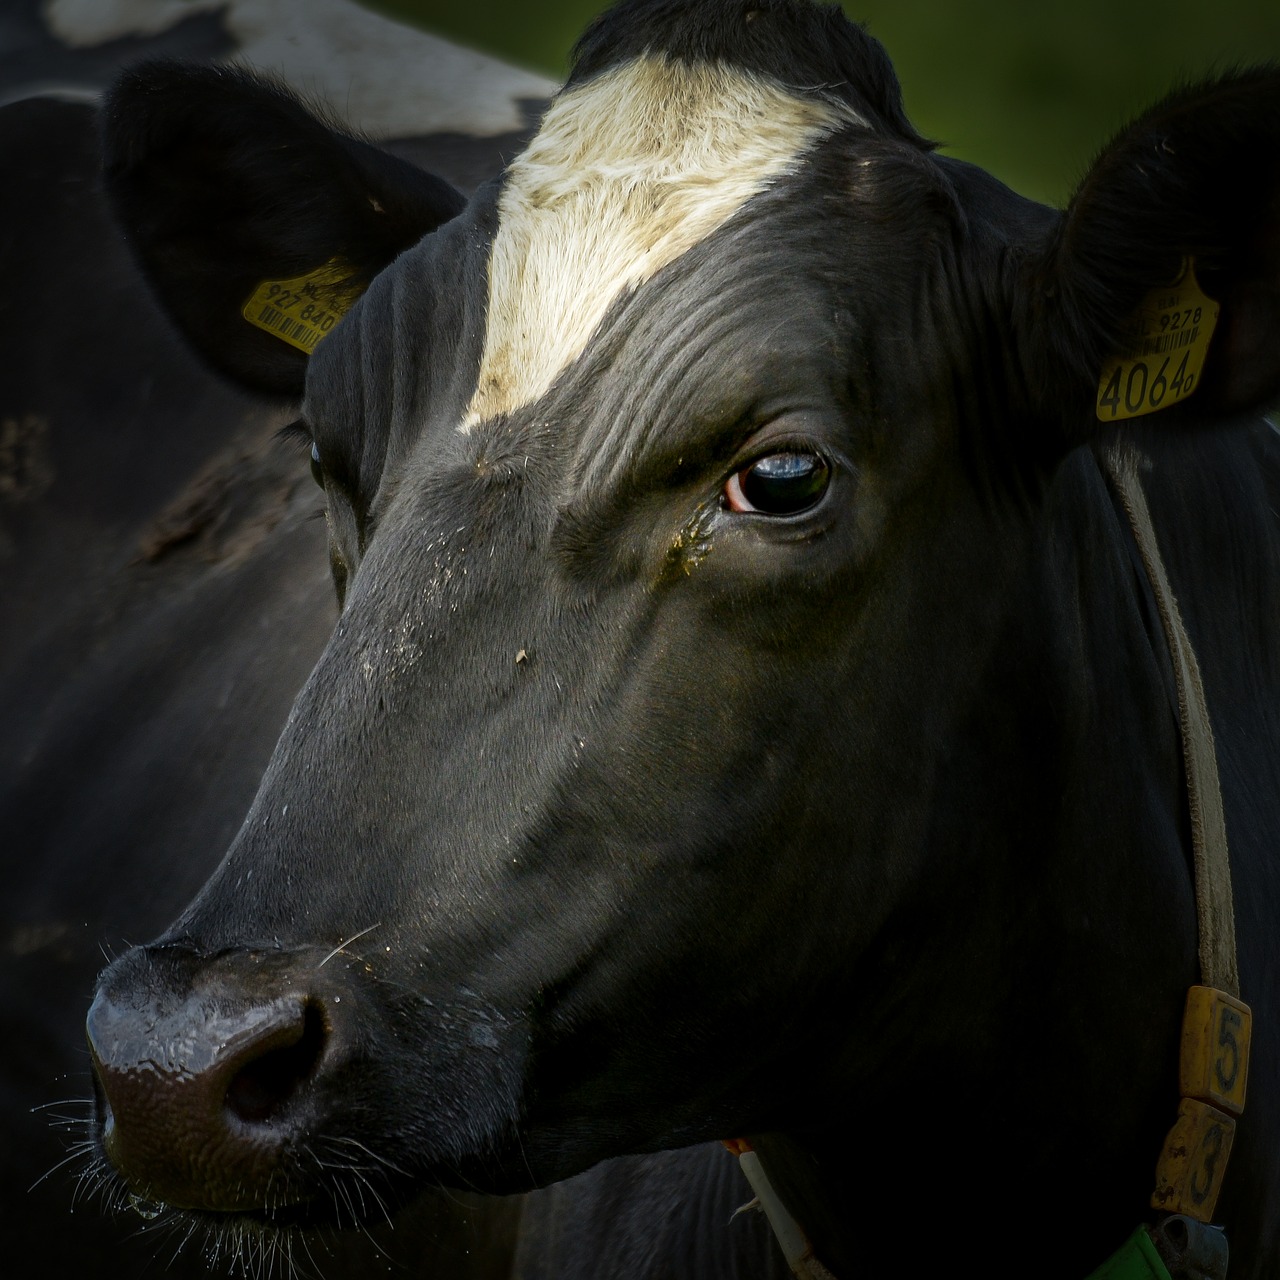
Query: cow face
(683, 493)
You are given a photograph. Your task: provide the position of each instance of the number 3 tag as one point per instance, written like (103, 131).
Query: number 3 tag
(1165, 352)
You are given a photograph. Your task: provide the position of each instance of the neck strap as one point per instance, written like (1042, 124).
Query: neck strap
(1208, 828)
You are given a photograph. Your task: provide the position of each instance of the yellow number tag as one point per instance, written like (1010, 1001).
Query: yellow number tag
(1189, 1173)
(1164, 354)
(302, 310)
(1216, 1030)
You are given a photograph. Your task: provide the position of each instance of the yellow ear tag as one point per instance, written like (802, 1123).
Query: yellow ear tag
(1165, 351)
(302, 310)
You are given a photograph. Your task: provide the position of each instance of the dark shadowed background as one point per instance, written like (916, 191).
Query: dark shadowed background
(1027, 89)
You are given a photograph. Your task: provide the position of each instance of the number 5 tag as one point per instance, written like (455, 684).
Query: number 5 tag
(1214, 1063)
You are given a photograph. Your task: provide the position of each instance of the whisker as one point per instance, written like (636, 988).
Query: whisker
(373, 1155)
(306, 1248)
(524, 1156)
(448, 1193)
(347, 943)
(63, 1102)
(76, 1153)
(192, 1227)
(340, 1190)
(92, 1181)
(374, 1195)
(68, 1124)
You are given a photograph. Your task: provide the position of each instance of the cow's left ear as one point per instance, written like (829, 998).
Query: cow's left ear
(256, 221)
(1160, 290)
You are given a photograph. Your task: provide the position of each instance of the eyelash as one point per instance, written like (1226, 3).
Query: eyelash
(298, 434)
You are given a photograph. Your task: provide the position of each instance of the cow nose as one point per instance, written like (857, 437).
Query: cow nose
(199, 1096)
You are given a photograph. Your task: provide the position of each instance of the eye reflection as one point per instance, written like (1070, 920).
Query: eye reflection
(779, 484)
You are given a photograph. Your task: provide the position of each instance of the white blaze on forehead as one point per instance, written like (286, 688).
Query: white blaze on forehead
(626, 173)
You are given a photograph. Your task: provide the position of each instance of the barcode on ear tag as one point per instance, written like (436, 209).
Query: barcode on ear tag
(1164, 353)
(302, 310)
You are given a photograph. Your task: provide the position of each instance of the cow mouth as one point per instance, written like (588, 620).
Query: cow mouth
(263, 1241)
(330, 1184)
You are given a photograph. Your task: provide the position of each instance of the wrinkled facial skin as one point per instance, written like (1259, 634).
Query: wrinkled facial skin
(564, 766)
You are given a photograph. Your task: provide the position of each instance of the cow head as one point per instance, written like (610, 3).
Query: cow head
(685, 491)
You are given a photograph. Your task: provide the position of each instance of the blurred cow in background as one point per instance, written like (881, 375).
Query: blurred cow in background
(163, 581)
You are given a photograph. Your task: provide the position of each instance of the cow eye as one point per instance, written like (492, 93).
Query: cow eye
(779, 484)
(317, 471)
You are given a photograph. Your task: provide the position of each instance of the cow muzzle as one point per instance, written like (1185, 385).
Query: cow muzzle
(208, 1075)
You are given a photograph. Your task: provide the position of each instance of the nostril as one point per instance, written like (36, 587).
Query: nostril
(262, 1087)
(206, 1087)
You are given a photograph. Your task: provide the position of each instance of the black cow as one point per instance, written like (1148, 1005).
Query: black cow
(750, 713)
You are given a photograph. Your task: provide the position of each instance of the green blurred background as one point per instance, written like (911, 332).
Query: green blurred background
(1027, 89)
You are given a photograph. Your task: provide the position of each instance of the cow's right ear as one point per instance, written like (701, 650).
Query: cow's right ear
(254, 221)
(1159, 293)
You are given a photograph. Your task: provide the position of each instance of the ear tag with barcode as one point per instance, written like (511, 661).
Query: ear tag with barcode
(302, 310)
(1164, 352)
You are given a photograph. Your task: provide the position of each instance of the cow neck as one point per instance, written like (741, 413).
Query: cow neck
(1211, 864)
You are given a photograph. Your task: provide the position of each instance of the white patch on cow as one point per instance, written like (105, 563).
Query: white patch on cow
(386, 79)
(627, 173)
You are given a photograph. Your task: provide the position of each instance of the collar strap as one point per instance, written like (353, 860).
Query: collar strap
(1216, 1025)
(1208, 827)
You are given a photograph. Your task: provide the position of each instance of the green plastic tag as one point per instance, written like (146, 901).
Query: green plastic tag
(1136, 1259)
